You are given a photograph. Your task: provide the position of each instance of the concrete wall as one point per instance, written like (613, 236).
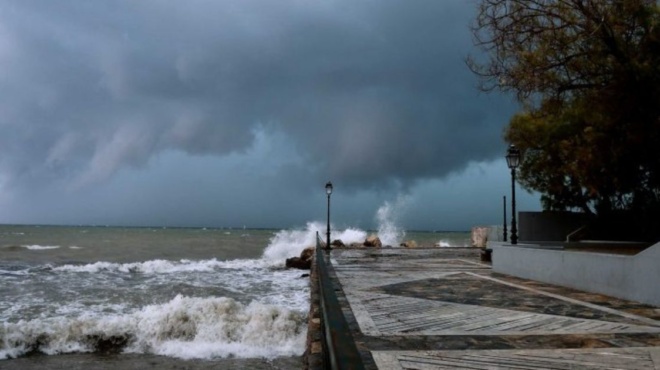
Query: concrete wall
(548, 226)
(629, 277)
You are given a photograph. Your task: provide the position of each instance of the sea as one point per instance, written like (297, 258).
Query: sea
(81, 297)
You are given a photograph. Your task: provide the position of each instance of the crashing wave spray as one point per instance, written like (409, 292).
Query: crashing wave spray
(289, 243)
(388, 231)
(184, 327)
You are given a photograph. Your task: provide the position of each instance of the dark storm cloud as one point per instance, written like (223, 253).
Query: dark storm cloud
(368, 92)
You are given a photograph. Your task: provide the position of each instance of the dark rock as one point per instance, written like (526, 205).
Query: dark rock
(338, 243)
(298, 263)
(304, 262)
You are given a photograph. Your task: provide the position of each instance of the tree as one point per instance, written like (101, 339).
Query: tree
(587, 73)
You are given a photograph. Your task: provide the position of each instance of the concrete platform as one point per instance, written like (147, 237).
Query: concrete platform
(442, 308)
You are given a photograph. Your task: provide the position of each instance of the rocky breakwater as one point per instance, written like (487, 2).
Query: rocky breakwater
(304, 261)
(372, 241)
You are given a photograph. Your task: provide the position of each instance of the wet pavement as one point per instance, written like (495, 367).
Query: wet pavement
(442, 308)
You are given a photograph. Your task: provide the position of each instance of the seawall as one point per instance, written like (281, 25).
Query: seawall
(313, 357)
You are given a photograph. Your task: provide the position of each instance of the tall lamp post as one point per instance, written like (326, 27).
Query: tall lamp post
(328, 190)
(504, 205)
(513, 161)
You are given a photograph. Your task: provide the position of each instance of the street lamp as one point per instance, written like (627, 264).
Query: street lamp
(504, 206)
(328, 190)
(513, 160)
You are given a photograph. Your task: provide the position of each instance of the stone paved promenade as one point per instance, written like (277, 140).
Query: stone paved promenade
(443, 309)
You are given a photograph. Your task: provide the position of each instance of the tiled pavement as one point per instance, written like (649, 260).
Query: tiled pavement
(442, 308)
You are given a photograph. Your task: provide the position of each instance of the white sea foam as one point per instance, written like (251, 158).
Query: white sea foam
(289, 243)
(40, 247)
(184, 327)
(388, 231)
(443, 244)
(280, 287)
(350, 235)
(163, 266)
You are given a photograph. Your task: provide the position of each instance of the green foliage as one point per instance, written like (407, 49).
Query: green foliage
(588, 75)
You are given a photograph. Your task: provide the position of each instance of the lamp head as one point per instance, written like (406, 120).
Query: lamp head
(513, 157)
(328, 188)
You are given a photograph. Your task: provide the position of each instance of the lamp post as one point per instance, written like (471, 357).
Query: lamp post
(513, 160)
(328, 190)
(504, 204)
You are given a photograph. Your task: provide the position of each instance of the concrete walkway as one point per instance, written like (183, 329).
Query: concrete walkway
(442, 308)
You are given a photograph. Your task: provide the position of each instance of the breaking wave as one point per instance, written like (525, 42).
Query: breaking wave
(184, 327)
(389, 232)
(289, 243)
(163, 266)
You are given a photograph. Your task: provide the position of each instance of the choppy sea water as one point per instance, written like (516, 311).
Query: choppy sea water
(169, 297)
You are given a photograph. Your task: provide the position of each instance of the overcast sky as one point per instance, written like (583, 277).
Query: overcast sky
(237, 112)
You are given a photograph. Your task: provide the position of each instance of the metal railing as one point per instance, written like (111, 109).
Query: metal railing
(339, 349)
(577, 234)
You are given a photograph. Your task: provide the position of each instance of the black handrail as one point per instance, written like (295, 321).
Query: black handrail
(340, 351)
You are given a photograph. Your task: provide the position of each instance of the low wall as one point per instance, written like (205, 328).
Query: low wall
(629, 277)
(313, 357)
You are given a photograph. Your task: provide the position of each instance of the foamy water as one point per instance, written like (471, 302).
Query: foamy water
(184, 327)
(183, 308)
(168, 267)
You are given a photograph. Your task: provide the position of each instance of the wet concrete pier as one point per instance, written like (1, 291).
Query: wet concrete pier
(442, 308)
